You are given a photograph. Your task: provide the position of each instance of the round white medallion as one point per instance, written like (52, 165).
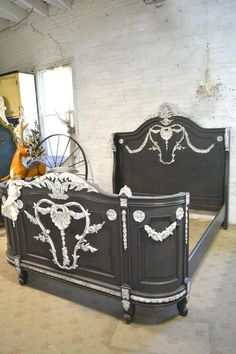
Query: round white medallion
(111, 214)
(179, 213)
(138, 215)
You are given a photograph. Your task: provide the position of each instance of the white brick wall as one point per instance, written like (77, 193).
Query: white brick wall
(128, 59)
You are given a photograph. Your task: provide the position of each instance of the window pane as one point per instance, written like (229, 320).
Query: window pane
(52, 125)
(57, 90)
(56, 99)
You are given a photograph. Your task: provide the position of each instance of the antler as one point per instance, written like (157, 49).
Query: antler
(19, 131)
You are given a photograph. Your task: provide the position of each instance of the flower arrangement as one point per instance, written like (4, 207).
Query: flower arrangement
(36, 150)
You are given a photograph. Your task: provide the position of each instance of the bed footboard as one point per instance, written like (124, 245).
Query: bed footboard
(132, 248)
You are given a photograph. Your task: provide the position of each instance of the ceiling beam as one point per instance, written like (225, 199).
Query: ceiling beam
(10, 11)
(62, 4)
(38, 6)
(4, 23)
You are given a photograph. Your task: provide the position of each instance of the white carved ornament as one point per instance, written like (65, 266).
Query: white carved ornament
(151, 300)
(124, 230)
(126, 191)
(60, 183)
(138, 215)
(160, 236)
(125, 299)
(11, 205)
(166, 131)
(61, 216)
(166, 134)
(179, 213)
(186, 223)
(111, 214)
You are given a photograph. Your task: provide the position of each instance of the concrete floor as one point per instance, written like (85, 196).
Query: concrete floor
(47, 316)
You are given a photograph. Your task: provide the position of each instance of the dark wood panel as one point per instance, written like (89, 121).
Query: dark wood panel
(189, 159)
(158, 265)
(102, 264)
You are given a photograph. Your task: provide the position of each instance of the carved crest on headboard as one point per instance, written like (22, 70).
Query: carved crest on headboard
(165, 112)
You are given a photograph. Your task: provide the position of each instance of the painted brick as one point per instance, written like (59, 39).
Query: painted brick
(128, 59)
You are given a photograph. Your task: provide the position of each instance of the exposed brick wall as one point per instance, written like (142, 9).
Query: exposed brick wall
(128, 59)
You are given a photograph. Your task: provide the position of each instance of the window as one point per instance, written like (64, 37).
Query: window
(56, 103)
(56, 113)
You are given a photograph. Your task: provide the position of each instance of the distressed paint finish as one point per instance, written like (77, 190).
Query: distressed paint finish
(128, 59)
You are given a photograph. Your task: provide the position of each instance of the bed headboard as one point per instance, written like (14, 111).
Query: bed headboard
(169, 154)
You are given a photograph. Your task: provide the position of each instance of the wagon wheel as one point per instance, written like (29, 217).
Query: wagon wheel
(61, 150)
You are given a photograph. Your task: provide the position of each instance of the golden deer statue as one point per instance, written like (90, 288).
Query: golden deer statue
(17, 169)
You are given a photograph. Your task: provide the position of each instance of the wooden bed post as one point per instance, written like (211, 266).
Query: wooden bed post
(226, 178)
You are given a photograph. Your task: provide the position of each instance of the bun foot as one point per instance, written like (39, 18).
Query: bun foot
(129, 314)
(182, 307)
(22, 276)
(128, 318)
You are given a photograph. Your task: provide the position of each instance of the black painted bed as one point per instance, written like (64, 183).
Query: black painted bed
(170, 154)
(134, 244)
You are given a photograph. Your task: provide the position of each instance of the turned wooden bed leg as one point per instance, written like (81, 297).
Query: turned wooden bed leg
(182, 307)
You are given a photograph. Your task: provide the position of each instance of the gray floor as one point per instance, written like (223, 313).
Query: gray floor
(47, 316)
